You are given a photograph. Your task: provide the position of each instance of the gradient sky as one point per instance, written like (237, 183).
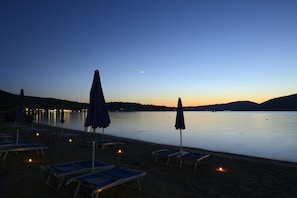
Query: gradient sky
(150, 52)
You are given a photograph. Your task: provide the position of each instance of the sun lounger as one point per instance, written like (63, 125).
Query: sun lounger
(62, 170)
(168, 153)
(59, 135)
(12, 143)
(102, 180)
(103, 143)
(197, 157)
(18, 148)
(31, 129)
(4, 136)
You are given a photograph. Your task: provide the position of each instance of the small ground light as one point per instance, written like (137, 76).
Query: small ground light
(221, 169)
(120, 151)
(30, 160)
(70, 140)
(37, 134)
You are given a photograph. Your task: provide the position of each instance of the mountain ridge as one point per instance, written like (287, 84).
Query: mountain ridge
(8, 101)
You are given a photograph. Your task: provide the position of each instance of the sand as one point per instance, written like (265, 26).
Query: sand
(244, 176)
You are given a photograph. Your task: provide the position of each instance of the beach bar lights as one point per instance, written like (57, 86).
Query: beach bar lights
(37, 134)
(70, 140)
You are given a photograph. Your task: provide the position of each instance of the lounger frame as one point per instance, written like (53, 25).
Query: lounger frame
(95, 181)
(180, 155)
(62, 170)
(19, 148)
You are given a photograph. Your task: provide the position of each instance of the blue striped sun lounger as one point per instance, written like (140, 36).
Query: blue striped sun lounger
(103, 180)
(20, 148)
(62, 170)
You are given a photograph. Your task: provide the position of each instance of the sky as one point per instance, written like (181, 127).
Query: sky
(150, 51)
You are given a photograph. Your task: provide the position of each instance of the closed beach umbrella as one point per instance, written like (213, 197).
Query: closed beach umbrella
(180, 121)
(97, 112)
(19, 114)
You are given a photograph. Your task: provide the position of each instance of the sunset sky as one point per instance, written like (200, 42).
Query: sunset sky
(152, 51)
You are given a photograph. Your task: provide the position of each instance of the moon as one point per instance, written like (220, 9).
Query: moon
(141, 71)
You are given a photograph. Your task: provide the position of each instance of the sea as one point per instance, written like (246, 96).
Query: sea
(271, 134)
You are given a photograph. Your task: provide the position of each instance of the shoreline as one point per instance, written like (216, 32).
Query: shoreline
(219, 153)
(246, 176)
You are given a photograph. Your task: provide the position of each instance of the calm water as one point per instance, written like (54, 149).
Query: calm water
(270, 135)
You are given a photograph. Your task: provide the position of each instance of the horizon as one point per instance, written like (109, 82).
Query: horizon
(150, 52)
(157, 105)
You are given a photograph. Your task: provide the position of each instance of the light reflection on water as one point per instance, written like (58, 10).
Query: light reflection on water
(263, 134)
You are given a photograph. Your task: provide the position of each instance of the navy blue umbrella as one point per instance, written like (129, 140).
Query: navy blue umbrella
(180, 121)
(19, 114)
(97, 112)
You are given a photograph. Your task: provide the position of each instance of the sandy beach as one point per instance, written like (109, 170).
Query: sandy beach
(243, 177)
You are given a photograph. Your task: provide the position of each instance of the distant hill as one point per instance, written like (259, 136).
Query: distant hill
(232, 106)
(9, 101)
(284, 103)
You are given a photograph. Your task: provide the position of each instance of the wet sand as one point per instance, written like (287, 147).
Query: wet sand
(244, 176)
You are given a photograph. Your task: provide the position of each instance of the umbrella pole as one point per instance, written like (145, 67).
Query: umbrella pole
(62, 128)
(102, 134)
(17, 136)
(181, 140)
(93, 156)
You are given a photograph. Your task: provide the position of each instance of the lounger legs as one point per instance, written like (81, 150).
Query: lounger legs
(77, 189)
(4, 157)
(139, 185)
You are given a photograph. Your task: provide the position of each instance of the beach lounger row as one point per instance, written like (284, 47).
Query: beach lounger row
(4, 150)
(79, 172)
(180, 155)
